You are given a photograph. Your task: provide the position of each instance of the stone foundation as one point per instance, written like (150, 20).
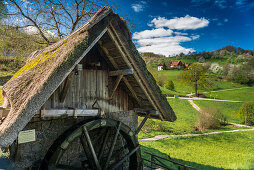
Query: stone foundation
(27, 154)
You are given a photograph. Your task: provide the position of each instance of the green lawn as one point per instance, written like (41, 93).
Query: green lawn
(246, 94)
(225, 150)
(181, 89)
(227, 108)
(185, 123)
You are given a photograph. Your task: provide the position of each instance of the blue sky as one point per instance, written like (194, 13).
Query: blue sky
(174, 26)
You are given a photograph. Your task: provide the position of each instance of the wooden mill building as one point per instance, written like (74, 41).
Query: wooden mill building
(75, 103)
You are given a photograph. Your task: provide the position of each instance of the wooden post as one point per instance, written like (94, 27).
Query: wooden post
(119, 78)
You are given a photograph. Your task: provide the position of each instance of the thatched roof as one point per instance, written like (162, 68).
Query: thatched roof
(46, 69)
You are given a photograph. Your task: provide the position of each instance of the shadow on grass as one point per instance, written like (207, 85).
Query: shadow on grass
(171, 165)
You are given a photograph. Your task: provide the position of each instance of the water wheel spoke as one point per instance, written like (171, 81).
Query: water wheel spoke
(87, 151)
(104, 143)
(116, 165)
(112, 146)
(92, 155)
(118, 151)
(61, 166)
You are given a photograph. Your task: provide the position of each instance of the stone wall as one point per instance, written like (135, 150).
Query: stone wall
(27, 154)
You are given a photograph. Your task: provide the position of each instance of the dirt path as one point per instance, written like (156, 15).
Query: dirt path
(198, 98)
(186, 135)
(210, 133)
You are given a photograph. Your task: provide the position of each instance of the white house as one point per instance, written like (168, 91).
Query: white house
(160, 67)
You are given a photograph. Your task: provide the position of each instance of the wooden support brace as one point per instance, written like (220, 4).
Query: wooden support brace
(121, 72)
(141, 124)
(124, 78)
(119, 78)
(66, 86)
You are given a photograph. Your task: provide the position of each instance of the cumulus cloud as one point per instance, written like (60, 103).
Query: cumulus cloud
(138, 7)
(180, 33)
(152, 33)
(225, 20)
(194, 37)
(161, 44)
(181, 23)
(34, 31)
(163, 40)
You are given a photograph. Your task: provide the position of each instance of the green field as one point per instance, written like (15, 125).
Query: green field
(246, 94)
(225, 150)
(181, 89)
(229, 109)
(185, 123)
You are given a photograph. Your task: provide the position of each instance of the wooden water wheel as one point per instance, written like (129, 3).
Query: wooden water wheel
(95, 144)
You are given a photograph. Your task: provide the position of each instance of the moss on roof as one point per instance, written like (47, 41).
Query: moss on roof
(45, 56)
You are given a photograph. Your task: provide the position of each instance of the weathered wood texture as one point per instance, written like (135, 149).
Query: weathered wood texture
(90, 89)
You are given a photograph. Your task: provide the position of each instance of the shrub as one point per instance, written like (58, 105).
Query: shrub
(169, 85)
(247, 113)
(210, 118)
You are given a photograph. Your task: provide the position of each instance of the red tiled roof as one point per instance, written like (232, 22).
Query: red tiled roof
(175, 63)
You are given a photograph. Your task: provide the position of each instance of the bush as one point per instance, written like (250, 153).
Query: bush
(247, 113)
(210, 118)
(169, 85)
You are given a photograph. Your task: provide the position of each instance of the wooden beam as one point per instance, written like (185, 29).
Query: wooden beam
(124, 78)
(69, 112)
(129, 61)
(141, 124)
(119, 78)
(146, 111)
(121, 72)
(66, 86)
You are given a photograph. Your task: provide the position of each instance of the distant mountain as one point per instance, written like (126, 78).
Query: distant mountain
(226, 55)
(233, 50)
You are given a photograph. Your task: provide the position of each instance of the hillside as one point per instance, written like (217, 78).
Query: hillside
(225, 55)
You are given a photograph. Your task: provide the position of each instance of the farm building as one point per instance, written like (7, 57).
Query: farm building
(160, 67)
(75, 103)
(176, 64)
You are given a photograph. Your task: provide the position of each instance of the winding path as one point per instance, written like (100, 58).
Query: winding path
(202, 134)
(186, 135)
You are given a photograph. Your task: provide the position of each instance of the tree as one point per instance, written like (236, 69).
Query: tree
(194, 76)
(60, 17)
(3, 9)
(247, 113)
(164, 67)
(169, 85)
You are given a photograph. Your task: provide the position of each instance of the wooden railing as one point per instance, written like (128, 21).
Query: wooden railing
(157, 162)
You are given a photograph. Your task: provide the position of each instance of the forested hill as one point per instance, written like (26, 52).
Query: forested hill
(226, 55)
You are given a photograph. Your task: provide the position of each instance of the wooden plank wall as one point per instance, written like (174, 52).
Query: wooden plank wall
(88, 86)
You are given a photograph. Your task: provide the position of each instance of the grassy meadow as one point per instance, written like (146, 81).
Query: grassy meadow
(221, 151)
(181, 89)
(245, 94)
(229, 109)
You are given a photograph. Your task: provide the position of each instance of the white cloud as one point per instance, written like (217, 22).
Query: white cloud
(160, 32)
(161, 40)
(194, 37)
(225, 20)
(180, 33)
(138, 7)
(165, 45)
(26, 1)
(34, 31)
(182, 23)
